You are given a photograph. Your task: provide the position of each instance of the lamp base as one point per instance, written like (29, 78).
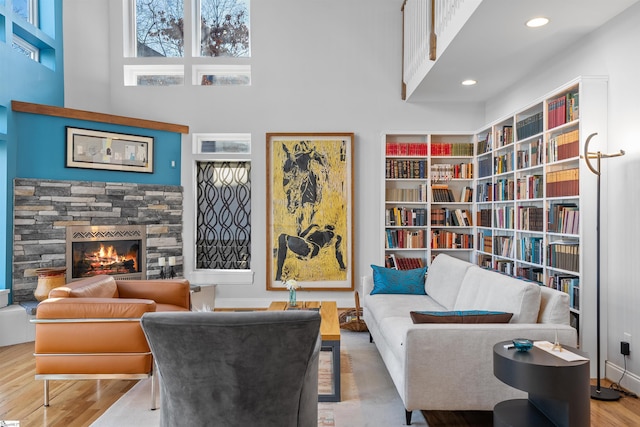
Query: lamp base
(604, 393)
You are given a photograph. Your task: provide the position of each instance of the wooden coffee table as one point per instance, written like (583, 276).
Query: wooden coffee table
(329, 334)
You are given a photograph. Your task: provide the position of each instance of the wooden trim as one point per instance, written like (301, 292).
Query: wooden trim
(70, 113)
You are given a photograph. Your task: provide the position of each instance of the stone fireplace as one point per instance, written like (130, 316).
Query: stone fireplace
(118, 251)
(45, 211)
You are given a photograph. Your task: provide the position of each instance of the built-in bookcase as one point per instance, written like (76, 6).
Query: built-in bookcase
(532, 211)
(428, 197)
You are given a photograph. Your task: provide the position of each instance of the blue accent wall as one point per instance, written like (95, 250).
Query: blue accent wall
(42, 151)
(24, 79)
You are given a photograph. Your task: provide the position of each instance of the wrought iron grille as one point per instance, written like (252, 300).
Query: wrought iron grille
(223, 226)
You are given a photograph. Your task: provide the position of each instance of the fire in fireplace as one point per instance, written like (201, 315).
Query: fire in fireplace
(113, 250)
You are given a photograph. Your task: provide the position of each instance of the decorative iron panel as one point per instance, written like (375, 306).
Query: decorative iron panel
(223, 228)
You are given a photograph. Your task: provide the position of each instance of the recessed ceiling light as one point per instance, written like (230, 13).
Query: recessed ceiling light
(469, 82)
(537, 22)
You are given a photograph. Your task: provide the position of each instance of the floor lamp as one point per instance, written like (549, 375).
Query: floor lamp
(597, 392)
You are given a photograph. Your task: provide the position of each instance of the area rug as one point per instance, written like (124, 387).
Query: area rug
(369, 398)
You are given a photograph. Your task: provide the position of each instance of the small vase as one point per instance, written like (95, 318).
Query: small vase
(292, 298)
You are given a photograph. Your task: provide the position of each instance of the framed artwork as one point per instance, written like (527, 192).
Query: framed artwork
(92, 149)
(310, 210)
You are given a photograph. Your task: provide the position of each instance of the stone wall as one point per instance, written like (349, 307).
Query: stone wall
(44, 208)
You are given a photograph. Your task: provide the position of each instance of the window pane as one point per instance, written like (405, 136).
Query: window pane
(21, 8)
(159, 28)
(159, 80)
(224, 28)
(223, 227)
(25, 48)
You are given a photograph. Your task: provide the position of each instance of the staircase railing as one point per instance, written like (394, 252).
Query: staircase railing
(423, 21)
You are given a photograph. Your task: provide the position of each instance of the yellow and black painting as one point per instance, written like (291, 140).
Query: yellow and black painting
(310, 210)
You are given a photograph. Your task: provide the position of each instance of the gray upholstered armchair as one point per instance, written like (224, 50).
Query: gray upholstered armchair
(236, 369)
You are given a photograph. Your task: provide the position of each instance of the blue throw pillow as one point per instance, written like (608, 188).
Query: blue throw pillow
(392, 281)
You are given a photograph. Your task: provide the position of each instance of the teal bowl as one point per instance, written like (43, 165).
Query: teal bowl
(522, 344)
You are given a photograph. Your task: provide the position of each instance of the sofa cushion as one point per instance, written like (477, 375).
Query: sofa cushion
(486, 290)
(397, 305)
(468, 316)
(554, 306)
(445, 278)
(392, 281)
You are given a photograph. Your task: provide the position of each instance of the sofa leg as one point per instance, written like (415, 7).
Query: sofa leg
(46, 392)
(407, 414)
(370, 338)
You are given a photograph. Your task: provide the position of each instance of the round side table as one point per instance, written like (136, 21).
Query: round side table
(558, 390)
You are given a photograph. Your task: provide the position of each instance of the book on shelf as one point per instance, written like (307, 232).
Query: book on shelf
(446, 171)
(529, 126)
(390, 261)
(568, 284)
(564, 255)
(403, 263)
(485, 145)
(531, 218)
(504, 266)
(563, 146)
(405, 239)
(564, 218)
(535, 274)
(563, 183)
(504, 217)
(406, 149)
(504, 136)
(530, 249)
(485, 241)
(405, 217)
(503, 163)
(529, 187)
(466, 195)
(405, 168)
(445, 239)
(441, 193)
(483, 217)
(563, 109)
(459, 149)
(503, 246)
(416, 194)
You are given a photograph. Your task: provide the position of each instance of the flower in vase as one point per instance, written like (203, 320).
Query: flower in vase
(291, 284)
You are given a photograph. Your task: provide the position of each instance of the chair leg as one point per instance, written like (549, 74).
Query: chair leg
(46, 392)
(407, 414)
(154, 391)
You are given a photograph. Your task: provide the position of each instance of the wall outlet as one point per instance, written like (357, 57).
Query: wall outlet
(624, 348)
(627, 337)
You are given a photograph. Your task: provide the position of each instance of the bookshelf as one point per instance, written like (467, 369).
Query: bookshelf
(428, 197)
(543, 229)
(533, 198)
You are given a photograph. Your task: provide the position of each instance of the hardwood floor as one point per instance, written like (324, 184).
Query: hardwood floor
(79, 403)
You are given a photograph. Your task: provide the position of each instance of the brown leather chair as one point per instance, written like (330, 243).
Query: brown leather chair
(90, 329)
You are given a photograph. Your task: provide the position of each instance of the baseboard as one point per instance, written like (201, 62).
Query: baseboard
(629, 382)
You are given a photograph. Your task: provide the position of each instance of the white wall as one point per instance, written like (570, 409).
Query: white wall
(611, 51)
(317, 66)
(334, 65)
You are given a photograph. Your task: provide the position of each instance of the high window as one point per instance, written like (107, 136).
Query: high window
(179, 30)
(223, 202)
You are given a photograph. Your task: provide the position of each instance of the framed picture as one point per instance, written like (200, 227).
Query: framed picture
(94, 149)
(310, 210)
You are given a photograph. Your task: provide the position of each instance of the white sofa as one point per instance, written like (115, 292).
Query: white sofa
(449, 367)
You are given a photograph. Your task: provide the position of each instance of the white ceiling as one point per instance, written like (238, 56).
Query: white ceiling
(496, 48)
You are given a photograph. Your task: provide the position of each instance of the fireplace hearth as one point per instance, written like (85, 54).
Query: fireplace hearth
(112, 250)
